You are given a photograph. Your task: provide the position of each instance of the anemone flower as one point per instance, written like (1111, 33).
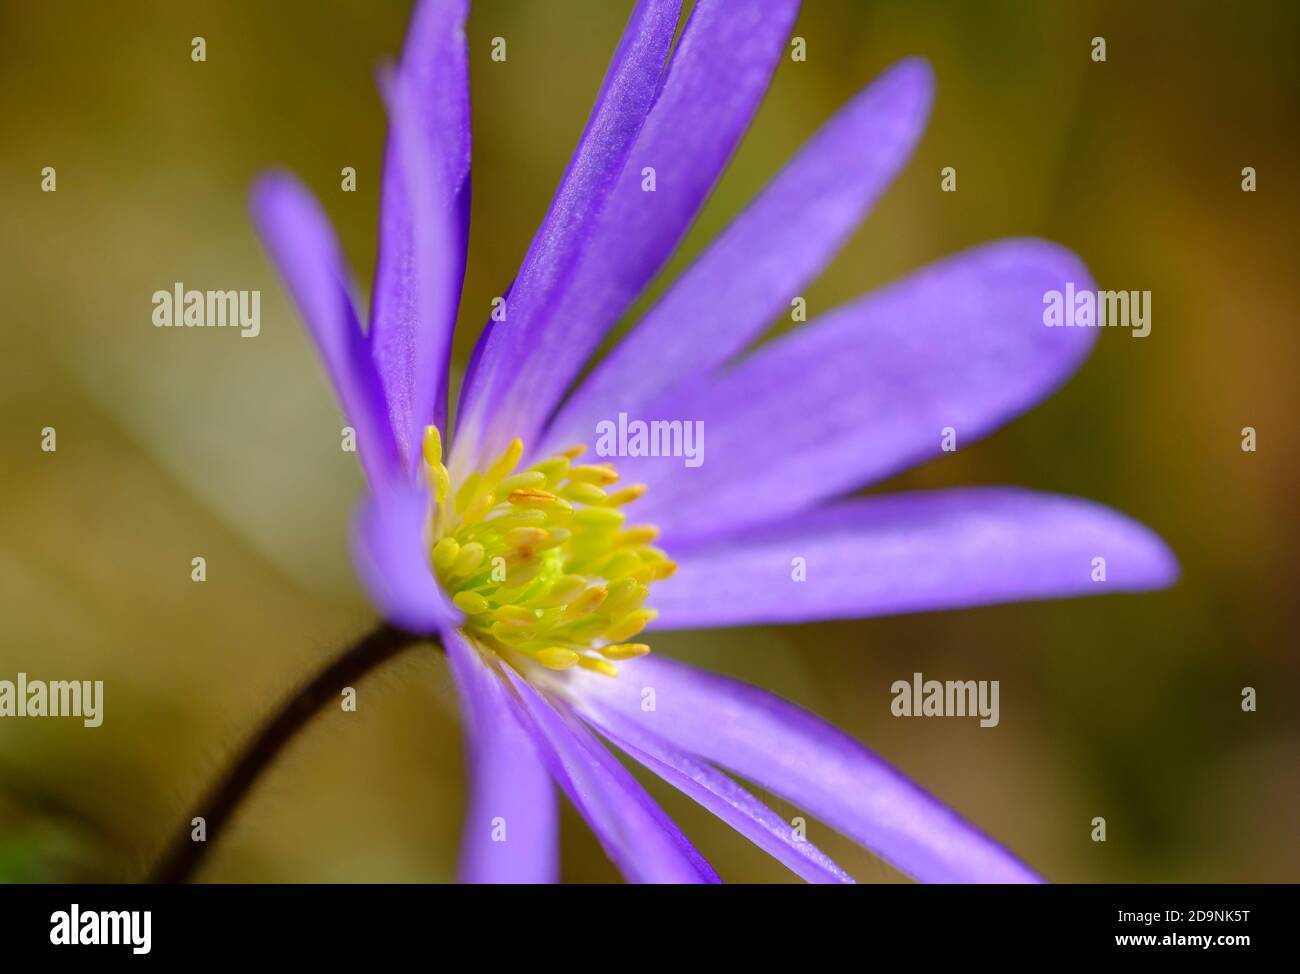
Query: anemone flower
(500, 541)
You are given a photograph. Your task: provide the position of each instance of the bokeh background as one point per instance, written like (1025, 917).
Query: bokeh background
(173, 443)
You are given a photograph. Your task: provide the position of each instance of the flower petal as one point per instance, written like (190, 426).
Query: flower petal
(298, 236)
(435, 58)
(868, 390)
(723, 797)
(635, 833)
(424, 220)
(714, 82)
(912, 552)
(767, 255)
(392, 562)
(511, 828)
(625, 97)
(797, 755)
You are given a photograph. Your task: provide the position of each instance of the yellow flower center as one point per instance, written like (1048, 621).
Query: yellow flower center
(541, 560)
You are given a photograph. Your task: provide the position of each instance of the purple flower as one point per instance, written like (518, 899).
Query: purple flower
(520, 558)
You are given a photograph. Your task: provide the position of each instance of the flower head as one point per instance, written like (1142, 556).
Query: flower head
(524, 555)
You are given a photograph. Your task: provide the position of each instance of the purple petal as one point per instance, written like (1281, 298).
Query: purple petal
(799, 756)
(392, 561)
(912, 552)
(298, 236)
(424, 220)
(723, 797)
(625, 97)
(435, 58)
(511, 828)
(635, 833)
(767, 255)
(715, 80)
(868, 390)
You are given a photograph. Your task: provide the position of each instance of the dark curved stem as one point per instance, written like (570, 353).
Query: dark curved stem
(183, 856)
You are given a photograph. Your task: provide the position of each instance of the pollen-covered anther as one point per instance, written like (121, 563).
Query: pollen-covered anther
(541, 560)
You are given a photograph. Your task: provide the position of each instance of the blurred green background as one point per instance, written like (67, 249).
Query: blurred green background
(176, 443)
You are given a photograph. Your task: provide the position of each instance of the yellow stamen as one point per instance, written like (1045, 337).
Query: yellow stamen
(532, 497)
(554, 469)
(630, 625)
(585, 493)
(470, 603)
(554, 538)
(517, 537)
(626, 495)
(663, 569)
(470, 557)
(600, 474)
(432, 446)
(598, 664)
(441, 484)
(529, 478)
(599, 517)
(435, 471)
(513, 518)
(621, 564)
(624, 651)
(541, 560)
(445, 553)
(468, 491)
(587, 602)
(625, 594)
(637, 535)
(558, 512)
(506, 462)
(477, 508)
(558, 658)
(503, 632)
(562, 591)
(523, 572)
(585, 630)
(516, 615)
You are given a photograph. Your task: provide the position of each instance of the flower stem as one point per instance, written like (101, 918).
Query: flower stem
(183, 856)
